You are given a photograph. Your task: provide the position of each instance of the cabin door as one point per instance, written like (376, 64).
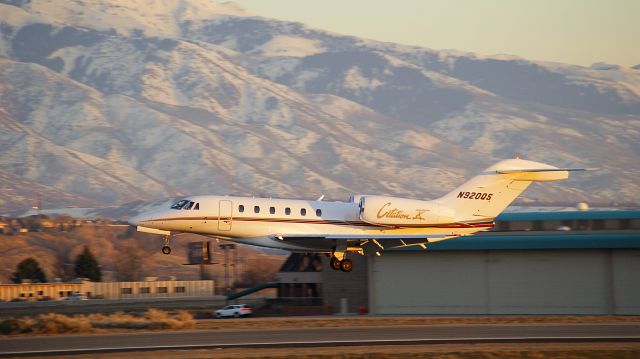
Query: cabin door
(224, 215)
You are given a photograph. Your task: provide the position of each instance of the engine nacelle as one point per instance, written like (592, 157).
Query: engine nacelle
(391, 211)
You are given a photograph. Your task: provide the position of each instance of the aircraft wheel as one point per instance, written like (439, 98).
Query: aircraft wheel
(166, 250)
(334, 263)
(346, 265)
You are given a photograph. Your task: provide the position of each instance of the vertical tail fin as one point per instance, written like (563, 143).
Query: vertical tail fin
(489, 193)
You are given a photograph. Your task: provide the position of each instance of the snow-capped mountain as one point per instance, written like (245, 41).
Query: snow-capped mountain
(107, 102)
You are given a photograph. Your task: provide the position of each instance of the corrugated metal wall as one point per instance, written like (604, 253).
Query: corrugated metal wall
(153, 289)
(605, 281)
(109, 290)
(35, 291)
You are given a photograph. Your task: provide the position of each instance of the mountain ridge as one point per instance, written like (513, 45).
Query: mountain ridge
(220, 103)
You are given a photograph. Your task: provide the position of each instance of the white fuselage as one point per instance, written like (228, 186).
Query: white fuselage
(367, 224)
(259, 221)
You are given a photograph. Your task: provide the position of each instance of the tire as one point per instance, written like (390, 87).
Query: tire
(218, 316)
(166, 250)
(334, 263)
(236, 315)
(346, 265)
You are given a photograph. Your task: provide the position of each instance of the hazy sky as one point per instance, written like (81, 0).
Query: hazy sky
(572, 31)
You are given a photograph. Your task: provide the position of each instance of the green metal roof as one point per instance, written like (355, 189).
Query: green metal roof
(567, 215)
(536, 240)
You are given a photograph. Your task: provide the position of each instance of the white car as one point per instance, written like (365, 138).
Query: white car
(235, 310)
(76, 296)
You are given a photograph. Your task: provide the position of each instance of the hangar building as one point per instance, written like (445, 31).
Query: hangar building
(533, 263)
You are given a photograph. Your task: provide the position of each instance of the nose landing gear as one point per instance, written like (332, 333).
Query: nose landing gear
(165, 244)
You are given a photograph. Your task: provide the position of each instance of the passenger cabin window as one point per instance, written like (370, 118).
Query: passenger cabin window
(287, 211)
(256, 209)
(197, 206)
(189, 205)
(303, 211)
(180, 204)
(272, 210)
(318, 212)
(241, 208)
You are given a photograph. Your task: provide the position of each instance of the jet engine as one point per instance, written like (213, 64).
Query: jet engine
(402, 212)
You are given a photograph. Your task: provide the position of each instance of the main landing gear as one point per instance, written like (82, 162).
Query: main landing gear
(338, 258)
(165, 244)
(344, 265)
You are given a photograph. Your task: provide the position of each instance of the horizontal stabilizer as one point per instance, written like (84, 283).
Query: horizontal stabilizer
(524, 170)
(539, 174)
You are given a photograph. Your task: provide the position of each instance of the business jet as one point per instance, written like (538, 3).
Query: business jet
(366, 224)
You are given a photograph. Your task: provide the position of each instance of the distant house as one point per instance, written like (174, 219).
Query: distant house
(106, 290)
(64, 222)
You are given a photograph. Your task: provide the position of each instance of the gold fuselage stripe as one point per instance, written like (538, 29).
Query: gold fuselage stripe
(311, 221)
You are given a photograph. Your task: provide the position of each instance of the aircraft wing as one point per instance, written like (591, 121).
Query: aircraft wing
(364, 240)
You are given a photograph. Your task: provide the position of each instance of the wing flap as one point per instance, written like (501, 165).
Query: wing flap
(361, 236)
(367, 243)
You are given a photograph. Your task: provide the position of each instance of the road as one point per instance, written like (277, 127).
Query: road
(424, 334)
(109, 305)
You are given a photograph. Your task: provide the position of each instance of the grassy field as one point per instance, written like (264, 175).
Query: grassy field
(55, 324)
(386, 321)
(154, 319)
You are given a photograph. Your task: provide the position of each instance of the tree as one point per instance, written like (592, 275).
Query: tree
(132, 263)
(63, 265)
(86, 266)
(29, 269)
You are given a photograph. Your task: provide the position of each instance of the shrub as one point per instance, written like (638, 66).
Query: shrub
(57, 324)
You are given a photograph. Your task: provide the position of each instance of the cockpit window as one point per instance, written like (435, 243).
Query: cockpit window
(197, 206)
(180, 204)
(189, 205)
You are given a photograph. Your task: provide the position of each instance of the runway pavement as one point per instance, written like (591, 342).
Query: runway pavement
(424, 334)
